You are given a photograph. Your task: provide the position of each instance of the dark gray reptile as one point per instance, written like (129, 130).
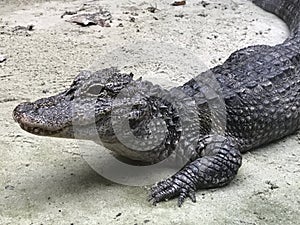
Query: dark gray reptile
(259, 86)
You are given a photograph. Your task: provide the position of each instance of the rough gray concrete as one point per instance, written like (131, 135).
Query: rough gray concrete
(46, 181)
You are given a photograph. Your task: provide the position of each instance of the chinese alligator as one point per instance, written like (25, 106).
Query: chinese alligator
(207, 127)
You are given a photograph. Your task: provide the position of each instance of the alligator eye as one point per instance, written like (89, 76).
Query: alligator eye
(94, 89)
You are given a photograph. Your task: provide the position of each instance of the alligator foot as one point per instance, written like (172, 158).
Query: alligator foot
(218, 163)
(177, 185)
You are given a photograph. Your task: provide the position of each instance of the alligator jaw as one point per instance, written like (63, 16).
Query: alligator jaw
(25, 114)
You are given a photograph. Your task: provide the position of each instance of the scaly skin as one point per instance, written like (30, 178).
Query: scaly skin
(259, 86)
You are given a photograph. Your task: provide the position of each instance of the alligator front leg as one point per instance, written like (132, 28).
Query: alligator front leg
(217, 163)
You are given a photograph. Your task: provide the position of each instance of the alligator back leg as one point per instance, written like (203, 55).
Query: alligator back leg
(215, 164)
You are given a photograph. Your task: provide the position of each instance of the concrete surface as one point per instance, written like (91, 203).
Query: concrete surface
(46, 181)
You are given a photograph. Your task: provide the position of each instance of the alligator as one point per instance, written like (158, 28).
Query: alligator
(258, 90)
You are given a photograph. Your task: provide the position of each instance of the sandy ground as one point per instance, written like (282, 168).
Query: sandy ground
(46, 181)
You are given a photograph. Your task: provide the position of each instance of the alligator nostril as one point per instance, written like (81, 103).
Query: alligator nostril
(25, 107)
(21, 109)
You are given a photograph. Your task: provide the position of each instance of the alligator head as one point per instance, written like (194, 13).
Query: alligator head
(88, 101)
(110, 108)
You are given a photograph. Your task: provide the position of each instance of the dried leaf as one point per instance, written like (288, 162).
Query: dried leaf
(101, 18)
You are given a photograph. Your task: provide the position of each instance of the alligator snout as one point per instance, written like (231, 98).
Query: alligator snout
(42, 117)
(19, 113)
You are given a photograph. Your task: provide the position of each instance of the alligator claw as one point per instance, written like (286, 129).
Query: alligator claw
(192, 196)
(170, 188)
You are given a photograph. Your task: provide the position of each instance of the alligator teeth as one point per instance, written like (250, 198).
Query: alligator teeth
(37, 130)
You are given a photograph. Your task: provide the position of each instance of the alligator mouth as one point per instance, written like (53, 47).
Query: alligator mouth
(45, 120)
(38, 129)
(41, 131)
(30, 122)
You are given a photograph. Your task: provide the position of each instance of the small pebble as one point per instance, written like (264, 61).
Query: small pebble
(202, 14)
(2, 58)
(9, 187)
(178, 3)
(152, 9)
(204, 3)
